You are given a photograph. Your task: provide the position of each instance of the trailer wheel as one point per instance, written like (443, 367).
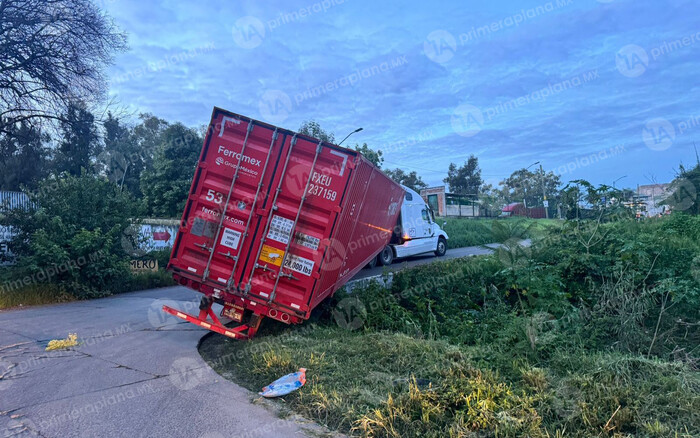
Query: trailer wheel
(386, 257)
(441, 247)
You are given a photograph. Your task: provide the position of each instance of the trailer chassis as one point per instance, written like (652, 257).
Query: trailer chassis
(243, 331)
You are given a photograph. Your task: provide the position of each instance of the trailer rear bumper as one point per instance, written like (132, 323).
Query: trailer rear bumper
(243, 331)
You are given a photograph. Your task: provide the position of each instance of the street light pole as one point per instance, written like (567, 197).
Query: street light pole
(618, 180)
(544, 195)
(346, 137)
(525, 198)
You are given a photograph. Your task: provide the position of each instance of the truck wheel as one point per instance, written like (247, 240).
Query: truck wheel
(441, 247)
(386, 256)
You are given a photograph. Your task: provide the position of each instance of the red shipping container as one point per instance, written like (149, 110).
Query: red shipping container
(276, 222)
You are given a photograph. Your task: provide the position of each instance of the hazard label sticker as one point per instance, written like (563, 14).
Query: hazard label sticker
(280, 229)
(299, 264)
(230, 238)
(271, 255)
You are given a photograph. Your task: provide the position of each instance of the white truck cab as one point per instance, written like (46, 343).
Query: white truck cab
(416, 231)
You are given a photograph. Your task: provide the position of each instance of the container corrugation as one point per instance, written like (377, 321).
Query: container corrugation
(277, 221)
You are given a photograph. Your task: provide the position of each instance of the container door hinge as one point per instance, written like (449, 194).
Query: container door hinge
(263, 267)
(203, 247)
(229, 255)
(289, 275)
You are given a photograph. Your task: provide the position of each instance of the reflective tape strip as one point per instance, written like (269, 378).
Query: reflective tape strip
(181, 315)
(205, 325)
(191, 269)
(296, 306)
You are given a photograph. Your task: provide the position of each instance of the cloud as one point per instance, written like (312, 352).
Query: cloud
(407, 109)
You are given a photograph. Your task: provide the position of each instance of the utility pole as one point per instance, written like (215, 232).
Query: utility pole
(544, 195)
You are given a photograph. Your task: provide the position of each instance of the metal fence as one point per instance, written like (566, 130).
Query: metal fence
(10, 201)
(13, 201)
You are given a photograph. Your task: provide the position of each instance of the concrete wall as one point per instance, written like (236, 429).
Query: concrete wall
(462, 210)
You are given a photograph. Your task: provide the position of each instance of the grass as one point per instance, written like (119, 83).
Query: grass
(47, 293)
(34, 295)
(472, 232)
(390, 384)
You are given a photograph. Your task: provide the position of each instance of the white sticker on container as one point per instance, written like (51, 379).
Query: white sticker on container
(280, 229)
(299, 264)
(310, 242)
(230, 238)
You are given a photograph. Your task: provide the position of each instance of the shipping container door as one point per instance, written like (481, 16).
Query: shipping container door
(230, 185)
(288, 250)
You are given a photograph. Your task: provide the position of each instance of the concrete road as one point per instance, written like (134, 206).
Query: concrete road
(426, 258)
(136, 372)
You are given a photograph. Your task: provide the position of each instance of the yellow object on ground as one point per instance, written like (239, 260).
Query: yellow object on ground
(57, 344)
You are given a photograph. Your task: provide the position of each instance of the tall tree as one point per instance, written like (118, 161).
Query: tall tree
(525, 185)
(79, 144)
(375, 157)
(465, 180)
(165, 187)
(23, 157)
(52, 53)
(123, 160)
(313, 129)
(148, 134)
(411, 180)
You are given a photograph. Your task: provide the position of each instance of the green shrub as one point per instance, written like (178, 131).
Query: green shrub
(73, 236)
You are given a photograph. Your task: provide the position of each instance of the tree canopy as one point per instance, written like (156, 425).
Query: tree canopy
(411, 180)
(523, 185)
(52, 54)
(465, 180)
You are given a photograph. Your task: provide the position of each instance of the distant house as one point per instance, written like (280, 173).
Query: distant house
(450, 204)
(651, 196)
(513, 209)
(519, 209)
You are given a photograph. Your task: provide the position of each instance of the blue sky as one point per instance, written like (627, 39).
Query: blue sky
(593, 89)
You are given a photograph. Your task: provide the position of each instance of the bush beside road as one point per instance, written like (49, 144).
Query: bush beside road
(592, 331)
